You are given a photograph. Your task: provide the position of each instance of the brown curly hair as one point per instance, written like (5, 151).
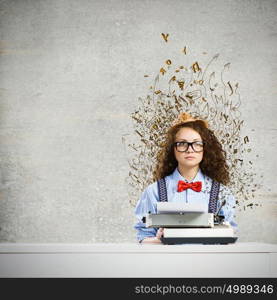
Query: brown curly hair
(213, 163)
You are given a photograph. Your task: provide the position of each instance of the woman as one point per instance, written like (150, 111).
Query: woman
(192, 154)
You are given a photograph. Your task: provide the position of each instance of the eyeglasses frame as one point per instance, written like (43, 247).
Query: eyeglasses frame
(189, 144)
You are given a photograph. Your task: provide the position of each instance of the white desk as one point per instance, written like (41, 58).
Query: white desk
(134, 260)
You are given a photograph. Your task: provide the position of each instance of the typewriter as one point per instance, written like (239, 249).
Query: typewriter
(184, 223)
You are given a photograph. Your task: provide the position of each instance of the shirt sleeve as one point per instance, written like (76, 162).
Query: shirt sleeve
(228, 210)
(146, 204)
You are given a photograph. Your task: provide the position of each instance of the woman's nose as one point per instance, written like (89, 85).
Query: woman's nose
(190, 149)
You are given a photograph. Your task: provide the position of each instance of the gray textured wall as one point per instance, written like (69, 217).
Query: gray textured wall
(71, 73)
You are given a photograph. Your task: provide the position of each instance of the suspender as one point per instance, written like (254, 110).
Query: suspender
(162, 190)
(214, 197)
(213, 194)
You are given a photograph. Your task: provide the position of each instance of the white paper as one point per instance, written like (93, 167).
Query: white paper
(176, 207)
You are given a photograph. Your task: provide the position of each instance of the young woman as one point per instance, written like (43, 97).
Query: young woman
(191, 162)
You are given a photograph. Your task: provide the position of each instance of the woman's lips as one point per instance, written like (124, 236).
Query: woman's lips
(189, 157)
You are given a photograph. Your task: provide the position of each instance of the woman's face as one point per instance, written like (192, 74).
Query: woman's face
(188, 158)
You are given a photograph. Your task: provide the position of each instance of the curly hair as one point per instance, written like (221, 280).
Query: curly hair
(213, 163)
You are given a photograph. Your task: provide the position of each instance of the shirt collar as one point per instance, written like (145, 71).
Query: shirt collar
(177, 176)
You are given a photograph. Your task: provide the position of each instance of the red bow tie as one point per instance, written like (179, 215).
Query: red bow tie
(182, 185)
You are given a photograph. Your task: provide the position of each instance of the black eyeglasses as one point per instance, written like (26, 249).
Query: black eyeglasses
(184, 146)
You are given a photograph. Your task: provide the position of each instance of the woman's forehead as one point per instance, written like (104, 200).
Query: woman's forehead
(187, 134)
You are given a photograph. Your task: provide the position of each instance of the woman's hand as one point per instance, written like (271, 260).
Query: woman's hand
(154, 240)
(160, 233)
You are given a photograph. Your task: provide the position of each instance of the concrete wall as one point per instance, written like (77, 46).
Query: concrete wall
(71, 74)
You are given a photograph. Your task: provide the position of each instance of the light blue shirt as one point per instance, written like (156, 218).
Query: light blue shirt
(149, 198)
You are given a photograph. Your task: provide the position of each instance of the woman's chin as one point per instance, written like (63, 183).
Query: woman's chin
(189, 164)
